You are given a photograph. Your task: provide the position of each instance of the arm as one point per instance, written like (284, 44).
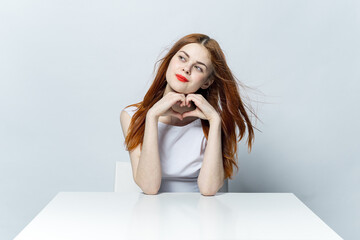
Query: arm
(146, 162)
(148, 175)
(211, 176)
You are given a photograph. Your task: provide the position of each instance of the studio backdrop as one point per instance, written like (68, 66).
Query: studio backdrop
(67, 69)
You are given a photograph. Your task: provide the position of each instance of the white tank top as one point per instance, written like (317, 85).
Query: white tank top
(181, 150)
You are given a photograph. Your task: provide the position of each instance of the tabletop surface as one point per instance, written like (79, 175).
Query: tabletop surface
(110, 215)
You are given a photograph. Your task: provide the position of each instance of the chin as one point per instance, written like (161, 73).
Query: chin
(182, 92)
(177, 90)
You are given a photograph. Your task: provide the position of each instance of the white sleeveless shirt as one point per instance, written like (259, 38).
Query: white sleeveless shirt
(181, 150)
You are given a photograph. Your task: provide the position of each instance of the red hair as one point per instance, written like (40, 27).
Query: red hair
(223, 95)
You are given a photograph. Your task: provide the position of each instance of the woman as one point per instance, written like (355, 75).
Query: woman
(182, 136)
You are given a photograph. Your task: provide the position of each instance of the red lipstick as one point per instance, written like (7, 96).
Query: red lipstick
(181, 78)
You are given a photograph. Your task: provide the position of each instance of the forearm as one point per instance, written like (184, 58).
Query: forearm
(211, 176)
(148, 174)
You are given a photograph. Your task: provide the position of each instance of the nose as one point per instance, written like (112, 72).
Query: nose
(186, 69)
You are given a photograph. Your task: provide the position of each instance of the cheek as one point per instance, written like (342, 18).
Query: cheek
(175, 65)
(170, 67)
(200, 79)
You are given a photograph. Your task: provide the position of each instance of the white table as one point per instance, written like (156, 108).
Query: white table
(109, 215)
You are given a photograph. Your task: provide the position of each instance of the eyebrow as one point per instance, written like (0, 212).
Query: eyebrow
(196, 61)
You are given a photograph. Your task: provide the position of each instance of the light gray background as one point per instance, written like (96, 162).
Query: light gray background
(67, 68)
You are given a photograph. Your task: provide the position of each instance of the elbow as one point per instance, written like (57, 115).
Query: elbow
(208, 193)
(150, 189)
(208, 189)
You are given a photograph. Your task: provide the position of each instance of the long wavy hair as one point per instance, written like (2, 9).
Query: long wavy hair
(223, 95)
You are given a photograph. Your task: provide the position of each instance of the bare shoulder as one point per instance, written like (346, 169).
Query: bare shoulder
(125, 120)
(124, 115)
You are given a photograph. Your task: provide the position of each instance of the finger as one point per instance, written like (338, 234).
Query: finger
(183, 99)
(187, 99)
(190, 114)
(182, 104)
(194, 113)
(187, 102)
(178, 99)
(194, 99)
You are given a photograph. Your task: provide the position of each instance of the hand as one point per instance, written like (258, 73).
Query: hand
(203, 110)
(164, 106)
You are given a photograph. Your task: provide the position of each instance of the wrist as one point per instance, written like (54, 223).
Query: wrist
(151, 115)
(215, 121)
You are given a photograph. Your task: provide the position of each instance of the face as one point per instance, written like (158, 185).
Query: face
(189, 69)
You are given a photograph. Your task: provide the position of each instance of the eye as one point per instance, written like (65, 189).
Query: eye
(199, 68)
(181, 58)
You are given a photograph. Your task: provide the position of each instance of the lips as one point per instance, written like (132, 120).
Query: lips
(181, 78)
